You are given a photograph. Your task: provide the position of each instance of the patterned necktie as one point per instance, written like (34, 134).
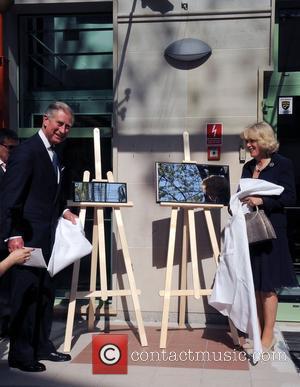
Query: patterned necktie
(55, 161)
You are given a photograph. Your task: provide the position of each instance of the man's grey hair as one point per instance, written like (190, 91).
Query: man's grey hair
(58, 105)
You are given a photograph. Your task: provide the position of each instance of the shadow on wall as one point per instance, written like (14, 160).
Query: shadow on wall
(160, 232)
(172, 143)
(160, 238)
(180, 65)
(162, 6)
(121, 110)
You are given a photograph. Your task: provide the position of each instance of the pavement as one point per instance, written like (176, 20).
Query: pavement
(196, 356)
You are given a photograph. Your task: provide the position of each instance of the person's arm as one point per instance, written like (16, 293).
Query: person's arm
(16, 257)
(13, 192)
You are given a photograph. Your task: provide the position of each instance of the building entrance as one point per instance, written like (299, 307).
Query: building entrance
(69, 57)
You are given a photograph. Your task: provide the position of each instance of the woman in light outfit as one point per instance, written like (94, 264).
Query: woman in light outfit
(270, 260)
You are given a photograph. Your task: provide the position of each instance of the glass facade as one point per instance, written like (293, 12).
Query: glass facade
(68, 58)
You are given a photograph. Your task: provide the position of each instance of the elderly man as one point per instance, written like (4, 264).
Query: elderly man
(31, 205)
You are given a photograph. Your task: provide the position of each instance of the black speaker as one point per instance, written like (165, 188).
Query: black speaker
(288, 19)
(288, 135)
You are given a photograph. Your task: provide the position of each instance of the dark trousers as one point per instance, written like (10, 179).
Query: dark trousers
(4, 297)
(32, 300)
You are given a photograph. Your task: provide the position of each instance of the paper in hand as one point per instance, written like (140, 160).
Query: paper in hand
(36, 258)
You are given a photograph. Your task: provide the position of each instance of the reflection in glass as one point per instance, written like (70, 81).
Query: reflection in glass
(103, 192)
(192, 183)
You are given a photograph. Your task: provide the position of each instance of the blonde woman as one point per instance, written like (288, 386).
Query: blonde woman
(271, 262)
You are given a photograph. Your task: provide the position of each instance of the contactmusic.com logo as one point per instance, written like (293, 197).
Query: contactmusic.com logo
(110, 354)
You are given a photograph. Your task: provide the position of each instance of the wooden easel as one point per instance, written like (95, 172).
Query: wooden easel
(98, 242)
(189, 239)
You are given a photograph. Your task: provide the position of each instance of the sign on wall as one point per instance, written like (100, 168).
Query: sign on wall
(285, 105)
(214, 133)
(213, 153)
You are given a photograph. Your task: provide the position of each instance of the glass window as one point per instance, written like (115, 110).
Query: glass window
(68, 58)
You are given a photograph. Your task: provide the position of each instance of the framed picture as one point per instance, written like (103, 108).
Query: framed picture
(192, 183)
(103, 192)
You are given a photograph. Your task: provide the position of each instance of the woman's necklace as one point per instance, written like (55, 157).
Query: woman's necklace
(260, 165)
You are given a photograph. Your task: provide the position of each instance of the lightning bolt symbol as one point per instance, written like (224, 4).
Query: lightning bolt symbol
(214, 130)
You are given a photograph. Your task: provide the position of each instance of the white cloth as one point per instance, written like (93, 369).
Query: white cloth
(3, 165)
(70, 245)
(233, 292)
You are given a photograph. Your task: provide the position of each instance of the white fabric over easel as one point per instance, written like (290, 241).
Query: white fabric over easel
(69, 246)
(233, 292)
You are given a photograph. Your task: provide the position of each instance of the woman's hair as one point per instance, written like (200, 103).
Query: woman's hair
(264, 134)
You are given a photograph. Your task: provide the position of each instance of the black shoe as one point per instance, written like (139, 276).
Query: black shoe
(55, 356)
(35, 366)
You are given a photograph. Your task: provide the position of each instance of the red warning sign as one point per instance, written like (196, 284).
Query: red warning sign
(214, 133)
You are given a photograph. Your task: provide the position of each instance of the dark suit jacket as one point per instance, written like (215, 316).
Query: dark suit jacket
(30, 196)
(279, 171)
(1, 175)
(3, 251)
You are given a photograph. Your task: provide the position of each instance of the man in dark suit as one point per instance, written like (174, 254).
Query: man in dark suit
(31, 205)
(8, 141)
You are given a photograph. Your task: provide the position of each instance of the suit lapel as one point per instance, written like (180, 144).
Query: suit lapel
(45, 158)
(1, 174)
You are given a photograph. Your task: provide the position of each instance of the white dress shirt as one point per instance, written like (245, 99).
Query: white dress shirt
(48, 146)
(3, 165)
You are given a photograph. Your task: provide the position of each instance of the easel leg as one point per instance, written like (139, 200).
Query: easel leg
(93, 274)
(74, 284)
(194, 255)
(212, 235)
(102, 254)
(167, 293)
(131, 279)
(183, 274)
(71, 308)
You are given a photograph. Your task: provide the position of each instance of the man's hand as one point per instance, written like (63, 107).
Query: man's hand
(70, 216)
(14, 244)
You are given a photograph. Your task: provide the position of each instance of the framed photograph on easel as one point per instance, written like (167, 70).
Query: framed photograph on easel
(96, 191)
(192, 183)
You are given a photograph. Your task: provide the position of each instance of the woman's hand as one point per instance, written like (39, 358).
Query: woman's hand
(252, 201)
(20, 256)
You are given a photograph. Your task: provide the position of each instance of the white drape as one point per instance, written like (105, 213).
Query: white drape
(69, 246)
(233, 292)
